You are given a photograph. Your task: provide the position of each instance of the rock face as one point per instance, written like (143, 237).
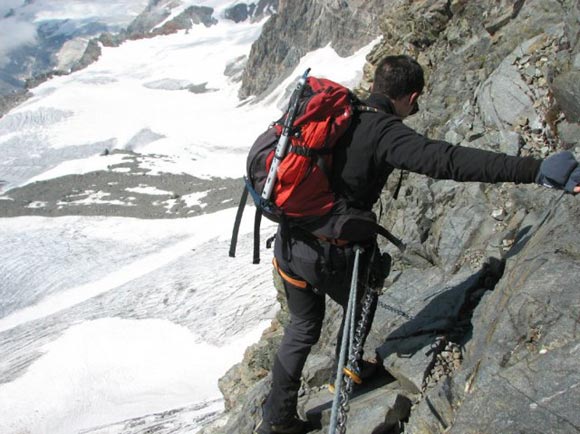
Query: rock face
(152, 21)
(476, 326)
(244, 11)
(301, 26)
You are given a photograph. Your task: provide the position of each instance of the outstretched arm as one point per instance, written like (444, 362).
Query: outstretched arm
(404, 148)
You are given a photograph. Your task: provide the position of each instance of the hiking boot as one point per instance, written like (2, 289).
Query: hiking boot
(293, 426)
(368, 368)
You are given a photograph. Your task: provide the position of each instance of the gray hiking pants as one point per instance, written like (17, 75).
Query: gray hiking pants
(327, 269)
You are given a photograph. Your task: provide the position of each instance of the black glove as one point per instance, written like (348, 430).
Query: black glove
(560, 171)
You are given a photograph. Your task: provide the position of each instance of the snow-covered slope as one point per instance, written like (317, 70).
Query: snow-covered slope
(127, 304)
(33, 33)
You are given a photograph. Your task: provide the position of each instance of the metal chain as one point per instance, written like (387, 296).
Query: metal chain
(395, 310)
(354, 357)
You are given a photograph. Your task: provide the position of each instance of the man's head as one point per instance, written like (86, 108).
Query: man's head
(401, 79)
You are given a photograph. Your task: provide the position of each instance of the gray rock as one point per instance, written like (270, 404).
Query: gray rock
(569, 132)
(504, 96)
(200, 88)
(566, 88)
(237, 13)
(242, 11)
(576, 62)
(435, 413)
(453, 137)
(429, 305)
(380, 409)
(407, 360)
(318, 370)
(235, 68)
(523, 377)
(539, 395)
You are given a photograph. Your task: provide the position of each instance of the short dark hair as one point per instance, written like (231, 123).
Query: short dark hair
(397, 76)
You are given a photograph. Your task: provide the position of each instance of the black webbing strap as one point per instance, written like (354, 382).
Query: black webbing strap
(399, 183)
(308, 152)
(257, 220)
(234, 240)
(389, 236)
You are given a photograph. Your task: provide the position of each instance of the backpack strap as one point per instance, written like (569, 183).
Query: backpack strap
(309, 152)
(237, 222)
(236, 230)
(399, 183)
(389, 236)
(257, 221)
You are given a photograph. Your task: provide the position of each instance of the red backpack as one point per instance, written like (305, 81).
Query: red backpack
(302, 187)
(322, 113)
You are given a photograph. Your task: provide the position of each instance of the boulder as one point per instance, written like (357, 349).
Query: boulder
(566, 88)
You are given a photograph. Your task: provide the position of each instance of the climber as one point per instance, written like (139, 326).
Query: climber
(319, 265)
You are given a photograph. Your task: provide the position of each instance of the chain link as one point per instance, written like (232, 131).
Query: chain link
(395, 310)
(354, 357)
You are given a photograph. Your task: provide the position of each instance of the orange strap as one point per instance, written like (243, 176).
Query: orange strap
(299, 283)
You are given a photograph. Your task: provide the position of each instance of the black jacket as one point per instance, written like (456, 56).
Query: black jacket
(377, 143)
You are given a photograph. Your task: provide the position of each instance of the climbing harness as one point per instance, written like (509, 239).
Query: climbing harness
(351, 344)
(291, 280)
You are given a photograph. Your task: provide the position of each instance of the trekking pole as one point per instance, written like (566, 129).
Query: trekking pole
(282, 145)
(346, 343)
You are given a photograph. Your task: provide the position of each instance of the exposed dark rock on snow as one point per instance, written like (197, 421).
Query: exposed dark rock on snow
(152, 22)
(255, 11)
(126, 189)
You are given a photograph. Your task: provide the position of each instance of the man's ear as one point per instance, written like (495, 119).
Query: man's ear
(413, 97)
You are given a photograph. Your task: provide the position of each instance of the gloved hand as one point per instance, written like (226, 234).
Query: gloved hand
(560, 171)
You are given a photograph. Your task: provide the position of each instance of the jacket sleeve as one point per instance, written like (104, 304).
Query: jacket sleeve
(404, 148)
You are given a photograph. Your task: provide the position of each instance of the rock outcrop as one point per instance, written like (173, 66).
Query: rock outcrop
(301, 26)
(476, 327)
(154, 20)
(254, 11)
